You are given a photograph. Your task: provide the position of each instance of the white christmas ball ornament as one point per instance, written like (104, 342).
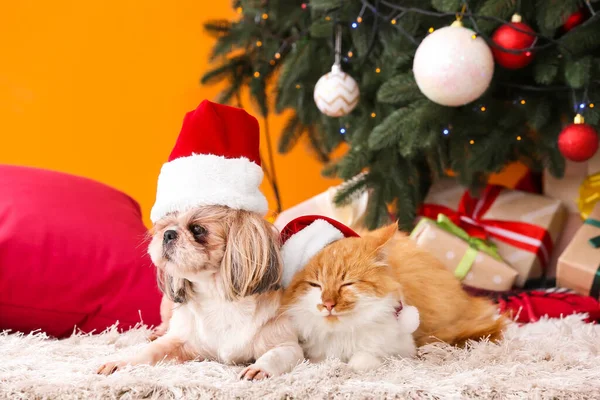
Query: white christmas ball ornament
(336, 93)
(453, 66)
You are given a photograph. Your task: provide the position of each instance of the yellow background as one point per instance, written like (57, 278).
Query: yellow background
(99, 89)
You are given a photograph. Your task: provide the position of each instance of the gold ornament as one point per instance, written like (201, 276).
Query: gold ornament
(589, 194)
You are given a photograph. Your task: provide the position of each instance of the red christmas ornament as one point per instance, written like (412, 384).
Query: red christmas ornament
(509, 38)
(574, 19)
(578, 141)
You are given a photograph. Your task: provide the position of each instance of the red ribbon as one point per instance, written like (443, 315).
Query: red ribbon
(470, 217)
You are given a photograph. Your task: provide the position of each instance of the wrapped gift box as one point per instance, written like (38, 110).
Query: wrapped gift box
(573, 222)
(579, 265)
(351, 215)
(481, 271)
(567, 188)
(510, 205)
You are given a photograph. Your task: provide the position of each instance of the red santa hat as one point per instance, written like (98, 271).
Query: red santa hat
(303, 237)
(215, 161)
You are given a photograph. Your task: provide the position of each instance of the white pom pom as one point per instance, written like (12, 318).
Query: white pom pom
(409, 319)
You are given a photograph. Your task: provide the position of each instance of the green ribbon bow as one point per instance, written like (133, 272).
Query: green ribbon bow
(475, 245)
(595, 243)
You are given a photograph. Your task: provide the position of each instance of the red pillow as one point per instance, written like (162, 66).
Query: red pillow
(72, 254)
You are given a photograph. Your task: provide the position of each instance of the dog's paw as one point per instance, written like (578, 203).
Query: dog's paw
(254, 373)
(159, 331)
(111, 367)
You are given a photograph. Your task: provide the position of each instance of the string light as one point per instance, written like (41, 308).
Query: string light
(359, 20)
(471, 141)
(431, 29)
(518, 137)
(278, 55)
(373, 115)
(582, 106)
(483, 108)
(342, 130)
(304, 6)
(523, 101)
(379, 14)
(354, 25)
(298, 86)
(350, 54)
(265, 16)
(258, 43)
(257, 74)
(591, 105)
(446, 131)
(272, 62)
(328, 18)
(377, 70)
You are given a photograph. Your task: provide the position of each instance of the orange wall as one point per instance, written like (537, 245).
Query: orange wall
(99, 89)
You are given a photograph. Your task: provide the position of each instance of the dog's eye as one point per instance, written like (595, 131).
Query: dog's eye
(314, 284)
(197, 230)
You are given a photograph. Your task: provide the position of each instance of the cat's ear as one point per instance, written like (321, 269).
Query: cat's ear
(383, 236)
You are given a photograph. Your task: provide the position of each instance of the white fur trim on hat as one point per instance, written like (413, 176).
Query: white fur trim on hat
(297, 251)
(206, 179)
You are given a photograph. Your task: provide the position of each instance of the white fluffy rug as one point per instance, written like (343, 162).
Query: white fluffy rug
(551, 358)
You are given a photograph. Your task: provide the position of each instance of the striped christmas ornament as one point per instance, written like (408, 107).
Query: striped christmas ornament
(336, 93)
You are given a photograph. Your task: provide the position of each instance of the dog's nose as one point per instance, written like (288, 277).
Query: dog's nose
(169, 236)
(329, 304)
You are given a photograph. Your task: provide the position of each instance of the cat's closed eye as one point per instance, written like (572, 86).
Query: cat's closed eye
(314, 284)
(345, 284)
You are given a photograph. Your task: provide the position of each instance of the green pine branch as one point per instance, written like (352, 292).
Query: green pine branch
(402, 139)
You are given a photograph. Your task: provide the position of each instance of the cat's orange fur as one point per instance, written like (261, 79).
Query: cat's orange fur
(447, 312)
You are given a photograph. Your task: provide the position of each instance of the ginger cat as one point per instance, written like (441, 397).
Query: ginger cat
(347, 290)
(354, 312)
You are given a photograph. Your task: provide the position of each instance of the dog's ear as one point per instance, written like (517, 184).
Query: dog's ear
(176, 289)
(252, 260)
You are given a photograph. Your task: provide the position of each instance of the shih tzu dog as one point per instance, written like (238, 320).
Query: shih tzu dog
(218, 261)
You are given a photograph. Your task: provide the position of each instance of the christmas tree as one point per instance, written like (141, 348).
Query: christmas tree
(502, 93)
